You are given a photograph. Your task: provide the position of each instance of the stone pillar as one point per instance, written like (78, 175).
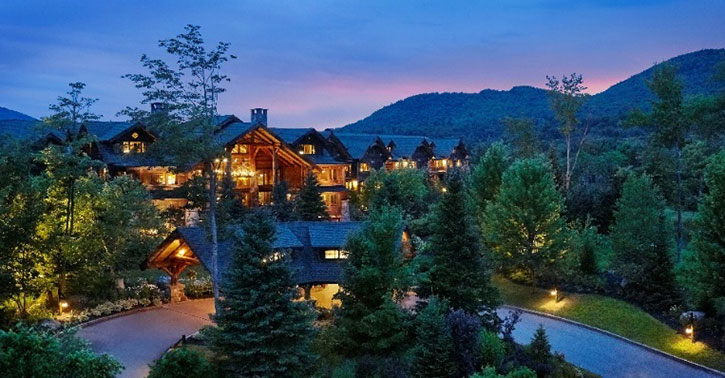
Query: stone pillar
(177, 292)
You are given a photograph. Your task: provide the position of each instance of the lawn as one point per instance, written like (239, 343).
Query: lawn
(614, 316)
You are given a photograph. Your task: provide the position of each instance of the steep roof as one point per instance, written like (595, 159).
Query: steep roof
(405, 145)
(105, 130)
(300, 237)
(290, 135)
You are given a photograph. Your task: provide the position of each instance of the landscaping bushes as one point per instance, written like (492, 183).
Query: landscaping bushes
(182, 363)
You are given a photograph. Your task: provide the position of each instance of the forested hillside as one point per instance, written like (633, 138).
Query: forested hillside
(6, 113)
(477, 116)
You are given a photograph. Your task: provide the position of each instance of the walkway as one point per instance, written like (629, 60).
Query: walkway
(600, 353)
(137, 339)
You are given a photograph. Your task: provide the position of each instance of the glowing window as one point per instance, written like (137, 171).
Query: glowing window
(364, 167)
(307, 149)
(133, 146)
(240, 149)
(335, 254)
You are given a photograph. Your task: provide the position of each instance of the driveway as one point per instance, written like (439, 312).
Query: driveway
(600, 353)
(137, 339)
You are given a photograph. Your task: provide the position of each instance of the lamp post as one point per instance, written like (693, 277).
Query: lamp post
(690, 331)
(555, 293)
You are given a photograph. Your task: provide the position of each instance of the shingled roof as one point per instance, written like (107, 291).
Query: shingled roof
(303, 239)
(357, 144)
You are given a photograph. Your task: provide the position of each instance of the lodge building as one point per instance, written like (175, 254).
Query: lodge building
(257, 158)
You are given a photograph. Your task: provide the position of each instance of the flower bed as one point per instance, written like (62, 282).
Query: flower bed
(142, 295)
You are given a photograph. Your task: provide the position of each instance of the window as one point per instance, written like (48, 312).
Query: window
(336, 254)
(240, 149)
(264, 177)
(170, 179)
(439, 163)
(364, 167)
(132, 146)
(307, 149)
(352, 184)
(333, 174)
(265, 198)
(459, 163)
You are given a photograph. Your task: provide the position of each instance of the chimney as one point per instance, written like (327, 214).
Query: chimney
(158, 107)
(259, 116)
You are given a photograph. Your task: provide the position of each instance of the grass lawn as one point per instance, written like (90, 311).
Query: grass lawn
(614, 316)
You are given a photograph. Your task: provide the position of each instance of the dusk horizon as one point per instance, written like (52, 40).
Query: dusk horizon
(329, 65)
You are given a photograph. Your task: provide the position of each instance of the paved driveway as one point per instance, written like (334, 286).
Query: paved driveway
(602, 354)
(137, 339)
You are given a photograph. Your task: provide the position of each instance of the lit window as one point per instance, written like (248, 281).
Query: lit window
(240, 149)
(364, 167)
(132, 146)
(336, 254)
(308, 149)
(459, 163)
(170, 179)
(333, 174)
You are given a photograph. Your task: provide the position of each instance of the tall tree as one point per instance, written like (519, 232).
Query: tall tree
(486, 177)
(461, 269)
(67, 166)
(370, 321)
(23, 266)
(523, 225)
(709, 238)
(189, 93)
(567, 97)
(402, 188)
(261, 330)
(667, 120)
(641, 244)
(309, 205)
(282, 207)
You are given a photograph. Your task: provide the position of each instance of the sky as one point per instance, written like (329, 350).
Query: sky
(329, 63)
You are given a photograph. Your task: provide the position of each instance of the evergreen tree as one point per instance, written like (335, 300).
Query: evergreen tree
(523, 225)
(432, 354)
(309, 205)
(586, 244)
(540, 352)
(460, 272)
(640, 241)
(486, 177)
(282, 207)
(464, 328)
(670, 126)
(709, 238)
(370, 322)
(261, 330)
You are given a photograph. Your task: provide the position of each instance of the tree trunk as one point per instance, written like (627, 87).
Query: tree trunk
(567, 176)
(678, 205)
(214, 235)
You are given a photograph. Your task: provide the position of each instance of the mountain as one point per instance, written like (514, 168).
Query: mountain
(6, 113)
(477, 116)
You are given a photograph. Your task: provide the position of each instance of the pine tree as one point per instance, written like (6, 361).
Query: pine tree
(586, 244)
(540, 352)
(309, 205)
(370, 322)
(709, 237)
(523, 225)
(261, 330)
(282, 207)
(460, 272)
(641, 240)
(432, 356)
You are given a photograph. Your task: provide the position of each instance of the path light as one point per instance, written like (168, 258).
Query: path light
(63, 305)
(555, 293)
(690, 331)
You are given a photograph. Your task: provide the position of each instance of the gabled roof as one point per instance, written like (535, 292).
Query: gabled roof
(300, 237)
(291, 135)
(106, 131)
(403, 145)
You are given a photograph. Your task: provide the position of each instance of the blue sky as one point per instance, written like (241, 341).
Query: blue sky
(329, 63)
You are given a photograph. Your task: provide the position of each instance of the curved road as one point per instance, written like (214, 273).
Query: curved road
(600, 353)
(139, 338)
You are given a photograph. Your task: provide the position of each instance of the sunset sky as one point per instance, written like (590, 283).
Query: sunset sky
(329, 63)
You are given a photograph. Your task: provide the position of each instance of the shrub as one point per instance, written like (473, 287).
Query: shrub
(493, 350)
(26, 352)
(490, 372)
(540, 352)
(181, 363)
(347, 369)
(464, 330)
(198, 288)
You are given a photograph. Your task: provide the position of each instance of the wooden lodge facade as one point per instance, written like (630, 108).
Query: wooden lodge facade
(258, 157)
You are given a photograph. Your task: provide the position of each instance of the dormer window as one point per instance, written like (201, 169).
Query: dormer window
(364, 167)
(134, 146)
(307, 149)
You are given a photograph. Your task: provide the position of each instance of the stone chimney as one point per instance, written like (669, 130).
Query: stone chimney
(259, 116)
(159, 107)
